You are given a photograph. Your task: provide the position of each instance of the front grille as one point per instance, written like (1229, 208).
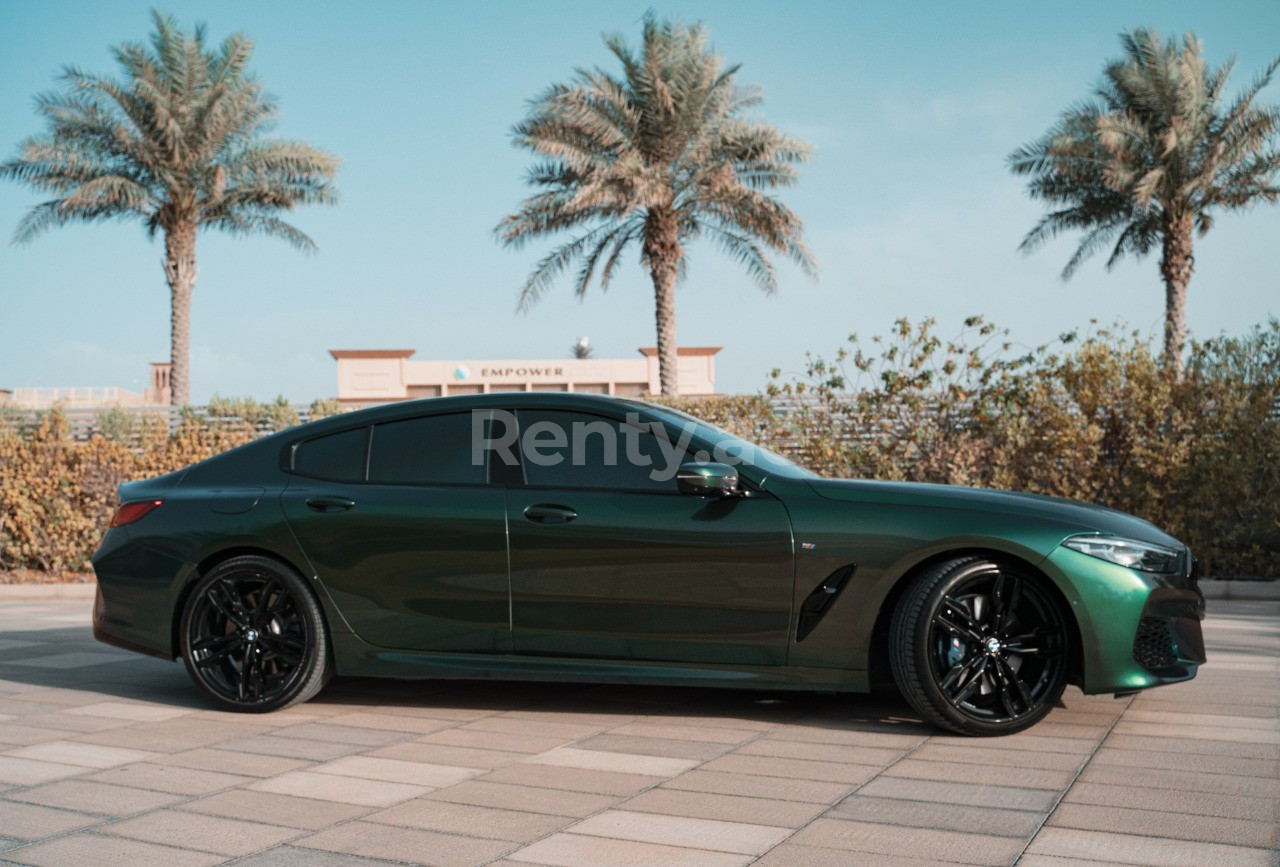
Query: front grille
(1153, 645)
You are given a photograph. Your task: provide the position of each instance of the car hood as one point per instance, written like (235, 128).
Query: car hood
(1073, 514)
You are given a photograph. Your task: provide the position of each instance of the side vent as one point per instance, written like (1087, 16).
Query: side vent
(817, 603)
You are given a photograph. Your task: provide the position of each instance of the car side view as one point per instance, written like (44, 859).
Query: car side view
(575, 537)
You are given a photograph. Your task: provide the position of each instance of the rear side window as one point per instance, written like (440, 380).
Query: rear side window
(434, 450)
(338, 457)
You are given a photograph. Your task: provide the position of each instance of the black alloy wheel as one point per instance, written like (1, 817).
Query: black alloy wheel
(980, 647)
(253, 636)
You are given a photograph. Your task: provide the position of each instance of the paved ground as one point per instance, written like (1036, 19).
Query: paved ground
(107, 757)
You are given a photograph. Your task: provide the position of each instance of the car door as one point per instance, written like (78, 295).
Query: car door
(609, 560)
(410, 541)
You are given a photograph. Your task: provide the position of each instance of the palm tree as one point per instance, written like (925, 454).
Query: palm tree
(178, 142)
(1150, 160)
(658, 157)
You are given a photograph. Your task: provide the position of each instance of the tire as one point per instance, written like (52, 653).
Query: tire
(253, 636)
(980, 646)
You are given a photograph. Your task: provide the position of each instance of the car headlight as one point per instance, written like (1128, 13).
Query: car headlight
(1142, 556)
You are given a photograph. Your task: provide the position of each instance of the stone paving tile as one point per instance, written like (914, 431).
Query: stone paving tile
(390, 722)
(346, 790)
(643, 746)
(757, 786)
(1132, 849)
(768, 766)
(91, 797)
(327, 732)
(919, 843)
(980, 754)
(398, 771)
(33, 822)
(726, 808)
(162, 778)
(791, 855)
(292, 812)
(21, 735)
(1192, 746)
(1195, 803)
(974, 819)
(820, 752)
(407, 844)
(291, 748)
(293, 856)
(68, 723)
(1149, 778)
(736, 837)
(203, 832)
(1139, 758)
(226, 761)
(573, 779)
(457, 737)
(442, 754)
(97, 849)
(129, 711)
(505, 725)
(624, 763)
(70, 660)
(961, 793)
(470, 820)
(554, 802)
(1212, 733)
(1026, 741)
(675, 730)
(29, 772)
(576, 850)
(1160, 823)
(84, 755)
(959, 772)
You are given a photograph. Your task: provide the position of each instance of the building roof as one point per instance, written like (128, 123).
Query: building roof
(371, 353)
(650, 351)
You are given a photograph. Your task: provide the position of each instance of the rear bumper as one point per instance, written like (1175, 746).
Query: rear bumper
(137, 589)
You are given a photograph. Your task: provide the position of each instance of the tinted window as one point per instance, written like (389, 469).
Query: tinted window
(435, 450)
(577, 450)
(338, 456)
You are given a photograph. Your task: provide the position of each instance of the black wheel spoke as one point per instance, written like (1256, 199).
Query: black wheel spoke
(956, 628)
(247, 641)
(997, 645)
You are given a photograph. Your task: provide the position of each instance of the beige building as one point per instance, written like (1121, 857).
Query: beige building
(369, 376)
(93, 397)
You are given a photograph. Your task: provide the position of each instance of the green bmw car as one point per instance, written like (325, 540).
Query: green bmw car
(572, 537)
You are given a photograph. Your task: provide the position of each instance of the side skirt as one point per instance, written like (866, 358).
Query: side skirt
(356, 658)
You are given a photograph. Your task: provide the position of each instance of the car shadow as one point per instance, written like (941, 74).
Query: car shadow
(67, 658)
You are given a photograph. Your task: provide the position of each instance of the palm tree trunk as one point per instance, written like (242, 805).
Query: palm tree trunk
(1176, 264)
(663, 252)
(180, 272)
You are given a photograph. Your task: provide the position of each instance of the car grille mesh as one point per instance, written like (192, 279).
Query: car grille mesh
(1153, 646)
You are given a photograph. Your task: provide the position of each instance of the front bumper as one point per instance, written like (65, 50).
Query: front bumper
(1137, 630)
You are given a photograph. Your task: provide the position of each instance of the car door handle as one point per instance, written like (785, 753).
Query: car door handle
(330, 504)
(545, 513)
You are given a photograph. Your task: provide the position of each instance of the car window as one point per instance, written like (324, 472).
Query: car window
(578, 450)
(433, 450)
(339, 456)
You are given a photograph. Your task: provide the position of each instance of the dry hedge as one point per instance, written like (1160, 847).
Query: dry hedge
(1094, 418)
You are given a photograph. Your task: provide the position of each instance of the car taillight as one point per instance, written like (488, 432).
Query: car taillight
(130, 512)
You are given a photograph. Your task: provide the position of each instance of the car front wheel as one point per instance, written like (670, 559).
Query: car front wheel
(253, 636)
(980, 647)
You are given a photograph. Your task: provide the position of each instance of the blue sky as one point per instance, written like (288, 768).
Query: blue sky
(909, 209)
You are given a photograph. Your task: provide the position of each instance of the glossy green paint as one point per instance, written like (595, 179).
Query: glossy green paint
(658, 587)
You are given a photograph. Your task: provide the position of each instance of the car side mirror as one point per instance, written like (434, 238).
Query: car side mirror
(707, 480)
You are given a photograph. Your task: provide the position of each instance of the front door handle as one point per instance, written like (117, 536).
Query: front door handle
(546, 513)
(330, 504)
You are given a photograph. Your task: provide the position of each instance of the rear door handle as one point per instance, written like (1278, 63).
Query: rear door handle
(330, 504)
(546, 513)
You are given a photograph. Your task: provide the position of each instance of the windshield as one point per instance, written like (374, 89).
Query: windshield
(730, 448)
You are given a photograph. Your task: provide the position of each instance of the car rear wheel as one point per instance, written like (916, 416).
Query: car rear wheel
(980, 647)
(253, 636)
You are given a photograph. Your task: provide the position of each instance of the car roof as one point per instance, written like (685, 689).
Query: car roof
(606, 404)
